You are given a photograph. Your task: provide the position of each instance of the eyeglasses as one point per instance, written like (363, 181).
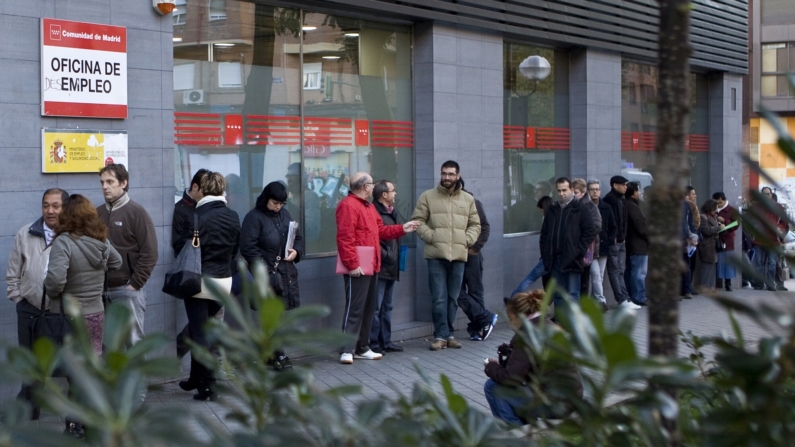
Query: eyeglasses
(449, 174)
(391, 190)
(369, 184)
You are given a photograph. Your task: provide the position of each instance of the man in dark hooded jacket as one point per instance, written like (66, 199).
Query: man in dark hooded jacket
(566, 233)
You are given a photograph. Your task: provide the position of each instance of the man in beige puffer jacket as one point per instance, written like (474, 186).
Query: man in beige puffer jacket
(449, 225)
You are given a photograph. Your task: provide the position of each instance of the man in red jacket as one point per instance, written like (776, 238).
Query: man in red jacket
(360, 225)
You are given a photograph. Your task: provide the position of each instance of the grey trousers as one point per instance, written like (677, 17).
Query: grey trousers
(616, 265)
(135, 300)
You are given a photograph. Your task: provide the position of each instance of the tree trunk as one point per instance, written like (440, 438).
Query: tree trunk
(665, 258)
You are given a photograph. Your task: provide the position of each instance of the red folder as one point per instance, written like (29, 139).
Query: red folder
(366, 257)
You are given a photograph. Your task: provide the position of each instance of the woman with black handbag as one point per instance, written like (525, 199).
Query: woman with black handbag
(219, 232)
(79, 257)
(264, 239)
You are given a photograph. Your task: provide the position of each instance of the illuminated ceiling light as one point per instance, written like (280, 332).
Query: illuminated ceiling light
(176, 39)
(225, 45)
(331, 58)
(308, 28)
(351, 34)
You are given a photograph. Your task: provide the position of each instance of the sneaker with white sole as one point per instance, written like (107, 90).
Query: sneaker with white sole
(346, 358)
(368, 355)
(489, 327)
(629, 305)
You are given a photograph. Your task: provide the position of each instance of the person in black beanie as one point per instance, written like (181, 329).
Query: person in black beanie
(263, 238)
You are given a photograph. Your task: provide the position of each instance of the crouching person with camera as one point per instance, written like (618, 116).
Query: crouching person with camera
(508, 389)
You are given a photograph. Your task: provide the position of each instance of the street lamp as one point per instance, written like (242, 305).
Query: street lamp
(535, 68)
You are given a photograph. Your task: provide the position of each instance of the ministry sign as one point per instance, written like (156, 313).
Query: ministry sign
(83, 69)
(80, 150)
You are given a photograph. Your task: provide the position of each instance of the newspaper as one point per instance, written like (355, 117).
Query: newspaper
(291, 232)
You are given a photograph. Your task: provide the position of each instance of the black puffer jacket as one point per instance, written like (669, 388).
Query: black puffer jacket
(219, 232)
(637, 230)
(566, 233)
(390, 249)
(263, 238)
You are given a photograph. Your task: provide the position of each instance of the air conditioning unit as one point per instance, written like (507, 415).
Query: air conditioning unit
(193, 97)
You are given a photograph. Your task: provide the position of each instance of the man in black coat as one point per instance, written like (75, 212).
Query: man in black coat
(384, 195)
(566, 233)
(471, 300)
(617, 257)
(637, 245)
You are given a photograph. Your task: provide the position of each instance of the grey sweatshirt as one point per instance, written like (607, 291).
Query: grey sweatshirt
(77, 269)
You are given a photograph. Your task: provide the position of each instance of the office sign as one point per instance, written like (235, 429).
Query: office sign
(83, 69)
(77, 150)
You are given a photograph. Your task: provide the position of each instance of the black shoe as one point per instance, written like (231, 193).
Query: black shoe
(391, 347)
(206, 394)
(188, 385)
(728, 285)
(759, 287)
(35, 414)
(377, 349)
(771, 289)
(75, 430)
(282, 363)
(781, 287)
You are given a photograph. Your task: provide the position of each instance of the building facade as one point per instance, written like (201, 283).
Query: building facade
(771, 58)
(310, 92)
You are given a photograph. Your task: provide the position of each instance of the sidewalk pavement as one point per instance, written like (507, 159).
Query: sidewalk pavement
(464, 367)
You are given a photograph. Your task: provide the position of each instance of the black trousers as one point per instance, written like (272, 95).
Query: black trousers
(471, 299)
(361, 297)
(25, 314)
(200, 310)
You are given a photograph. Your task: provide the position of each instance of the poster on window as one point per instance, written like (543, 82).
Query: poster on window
(75, 151)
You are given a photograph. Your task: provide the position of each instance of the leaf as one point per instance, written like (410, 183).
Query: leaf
(270, 314)
(738, 333)
(118, 326)
(619, 348)
(455, 402)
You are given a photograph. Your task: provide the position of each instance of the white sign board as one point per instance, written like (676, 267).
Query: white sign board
(83, 69)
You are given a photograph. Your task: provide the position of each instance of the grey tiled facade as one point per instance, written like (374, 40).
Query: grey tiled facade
(458, 114)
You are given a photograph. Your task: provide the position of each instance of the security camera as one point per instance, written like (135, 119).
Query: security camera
(164, 7)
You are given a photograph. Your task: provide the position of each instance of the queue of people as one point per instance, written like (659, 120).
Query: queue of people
(584, 237)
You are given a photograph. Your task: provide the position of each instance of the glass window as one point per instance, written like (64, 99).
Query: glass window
(244, 108)
(639, 127)
(535, 134)
(180, 12)
(217, 10)
(777, 60)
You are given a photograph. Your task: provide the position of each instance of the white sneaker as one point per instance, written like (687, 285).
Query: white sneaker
(346, 358)
(629, 305)
(369, 355)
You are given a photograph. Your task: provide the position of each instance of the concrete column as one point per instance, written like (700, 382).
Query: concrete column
(725, 135)
(595, 114)
(459, 116)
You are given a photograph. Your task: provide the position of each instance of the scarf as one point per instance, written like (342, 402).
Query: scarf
(566, 203)
(208, 199)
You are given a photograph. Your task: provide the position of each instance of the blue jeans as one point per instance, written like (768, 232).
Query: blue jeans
(504, 407)
(638, 267)
(537, 272)
(445, 278)
(381, 332)
(568, 281)
(771, 259)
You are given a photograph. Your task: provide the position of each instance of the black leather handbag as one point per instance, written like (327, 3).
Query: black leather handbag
(184, 278)
(55, 326)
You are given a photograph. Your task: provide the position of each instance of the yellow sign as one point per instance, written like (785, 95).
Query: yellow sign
(74, 150)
